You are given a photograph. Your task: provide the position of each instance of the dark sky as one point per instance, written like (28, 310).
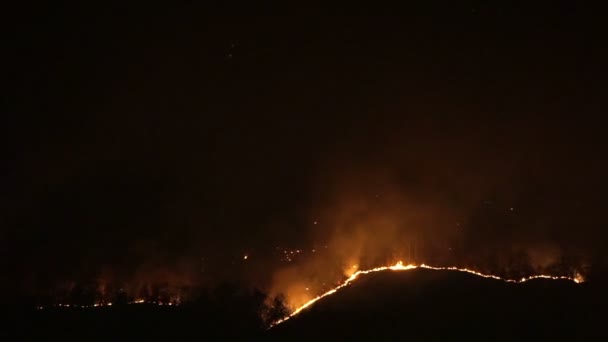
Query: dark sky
(171, 140)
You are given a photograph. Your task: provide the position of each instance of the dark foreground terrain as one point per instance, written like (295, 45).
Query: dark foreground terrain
(432, 305)
(413, 305)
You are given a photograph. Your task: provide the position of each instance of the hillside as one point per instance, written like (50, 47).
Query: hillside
(428, 304)
(419, 304)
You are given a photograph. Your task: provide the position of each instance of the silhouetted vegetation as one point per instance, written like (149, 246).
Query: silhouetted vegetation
(227, 311)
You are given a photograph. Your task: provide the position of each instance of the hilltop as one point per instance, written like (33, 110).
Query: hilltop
(428, 304)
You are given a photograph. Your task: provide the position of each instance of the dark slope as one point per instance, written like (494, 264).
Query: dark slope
(196, 321)
(412, 305)
(427, 304)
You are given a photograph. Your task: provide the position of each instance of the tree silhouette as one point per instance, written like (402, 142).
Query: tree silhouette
(275, 310)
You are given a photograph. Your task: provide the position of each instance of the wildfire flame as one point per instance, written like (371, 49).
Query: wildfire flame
(105, 304)
(399, 266)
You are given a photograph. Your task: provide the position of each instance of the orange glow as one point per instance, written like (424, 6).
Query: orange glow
(399, 266)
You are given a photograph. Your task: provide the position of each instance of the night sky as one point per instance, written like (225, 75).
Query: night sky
(165, 143)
